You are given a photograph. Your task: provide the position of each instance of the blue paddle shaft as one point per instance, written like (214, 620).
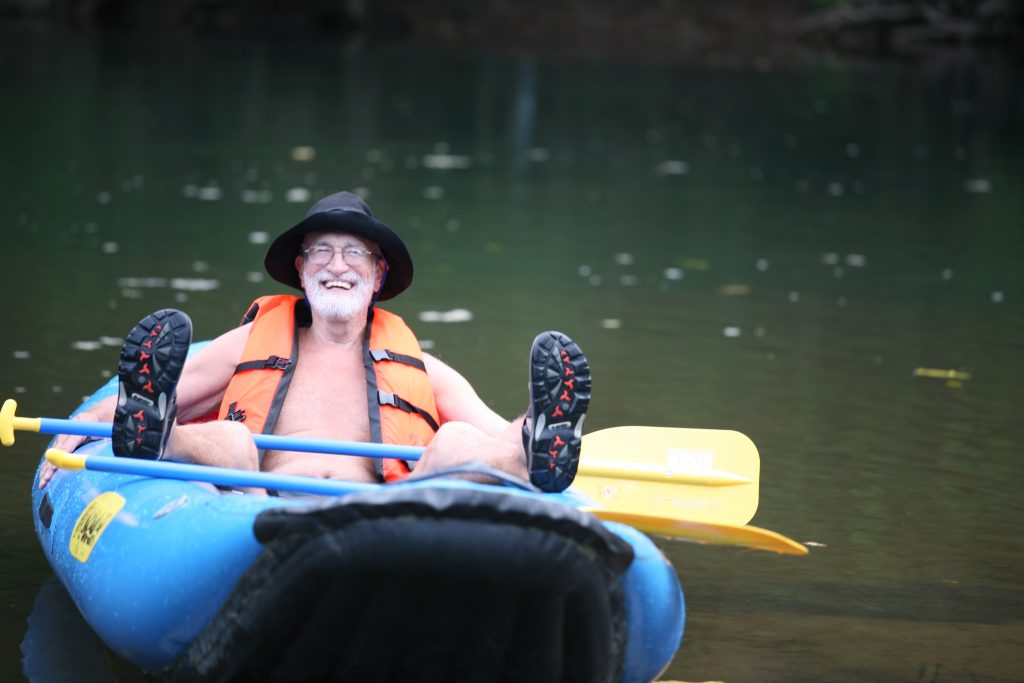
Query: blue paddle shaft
(102, 430)
(223, 476)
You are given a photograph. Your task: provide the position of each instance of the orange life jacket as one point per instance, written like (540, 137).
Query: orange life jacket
(400, 401)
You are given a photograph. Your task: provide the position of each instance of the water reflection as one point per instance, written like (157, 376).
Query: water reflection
(799, 256)
(58, 645)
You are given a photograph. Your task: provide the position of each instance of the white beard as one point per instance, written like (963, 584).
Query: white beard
(339, 305)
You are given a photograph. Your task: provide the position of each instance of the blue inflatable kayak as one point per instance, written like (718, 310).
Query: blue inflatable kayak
(436, 580)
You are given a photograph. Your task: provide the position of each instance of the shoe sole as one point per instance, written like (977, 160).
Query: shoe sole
(152, 359)
(559, 396)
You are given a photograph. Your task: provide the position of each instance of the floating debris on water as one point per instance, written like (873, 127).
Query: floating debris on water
(815, 544)
(22, 355)
(297, 195)
(181, 297)
(434, 192)
(759, 332)
(947, 273)
(538, 154)
(624, 259)
(762, 264)
(793, 297)
(446, 162)
(111, 341)
(259, 237)
(254, 276)
(674, 273)
(856, 260)
(672, 167)
(194, 284)
(303, 153)
(20, 390)
(147, 282)
(209, 193)
(611, 324)
(836, 189)
(997, 297)
(109, 247)
(104, 197)
(830, 258)
(978, 186)
(86, 345)
(256, 196)
(200, 266)
(56, 388)
(938, 373)
(734, 290)
(732, 332)
(427, 344)
(456, 315)
(584, 271)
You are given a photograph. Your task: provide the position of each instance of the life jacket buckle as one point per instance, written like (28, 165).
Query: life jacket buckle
(278, 363)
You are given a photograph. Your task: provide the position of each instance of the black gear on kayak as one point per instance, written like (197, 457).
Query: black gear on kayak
(422, 584)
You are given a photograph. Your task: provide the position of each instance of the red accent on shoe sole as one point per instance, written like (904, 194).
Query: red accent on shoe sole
(148, 386)
(145, 370)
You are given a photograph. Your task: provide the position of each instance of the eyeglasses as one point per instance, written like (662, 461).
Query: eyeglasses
(322, 254)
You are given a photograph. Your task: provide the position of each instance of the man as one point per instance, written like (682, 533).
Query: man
(333, 365)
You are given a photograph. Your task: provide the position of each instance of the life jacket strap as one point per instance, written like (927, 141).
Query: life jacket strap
(271, 363)
(380, 355)
(386, 398)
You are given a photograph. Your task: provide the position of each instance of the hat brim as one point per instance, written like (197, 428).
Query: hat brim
(280, 258)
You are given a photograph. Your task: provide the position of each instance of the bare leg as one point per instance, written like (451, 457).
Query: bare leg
(458, 443)
(221, 443)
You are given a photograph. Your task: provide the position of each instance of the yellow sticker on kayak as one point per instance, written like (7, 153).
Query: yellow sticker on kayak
(93, 522)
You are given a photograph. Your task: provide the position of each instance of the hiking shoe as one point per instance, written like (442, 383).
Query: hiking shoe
(152, 358)
(559, 396)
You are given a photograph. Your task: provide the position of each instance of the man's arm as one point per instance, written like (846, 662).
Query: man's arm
(204, 379)
(457, 401)
(470, 431)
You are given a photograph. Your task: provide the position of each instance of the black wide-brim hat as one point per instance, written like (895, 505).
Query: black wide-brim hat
(341, 212)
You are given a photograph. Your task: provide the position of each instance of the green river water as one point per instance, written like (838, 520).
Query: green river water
(786, 252)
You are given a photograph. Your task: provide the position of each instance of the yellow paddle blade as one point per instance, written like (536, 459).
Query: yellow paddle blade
(704, 532)
(701, 475)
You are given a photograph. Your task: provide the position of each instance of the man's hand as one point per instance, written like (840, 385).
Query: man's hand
(65, 442)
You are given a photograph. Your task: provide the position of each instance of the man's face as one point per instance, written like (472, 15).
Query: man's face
(342, 288)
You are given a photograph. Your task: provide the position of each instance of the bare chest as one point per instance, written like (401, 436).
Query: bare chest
(327, 396)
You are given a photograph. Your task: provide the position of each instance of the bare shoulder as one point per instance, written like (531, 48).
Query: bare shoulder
(440, 373)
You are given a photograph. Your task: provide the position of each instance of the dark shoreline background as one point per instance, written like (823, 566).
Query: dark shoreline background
(758, 33)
